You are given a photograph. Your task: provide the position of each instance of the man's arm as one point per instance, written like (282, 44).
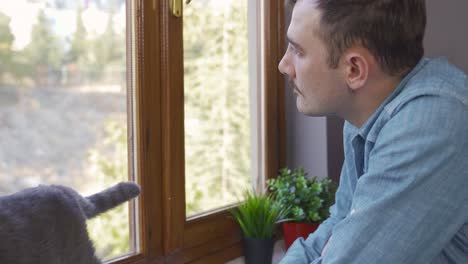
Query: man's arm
(413, 198)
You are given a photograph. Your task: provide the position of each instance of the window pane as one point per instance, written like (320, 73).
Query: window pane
(217, 114)
(63, 104)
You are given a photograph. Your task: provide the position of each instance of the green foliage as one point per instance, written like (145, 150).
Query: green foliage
(47, 61)
(328, 197)
(258, 215)
(110, 231)
(108, 50)
(11, 62)
(216, 95)
(309, 199)
(44, 51)
(6, 40)
(78, 44)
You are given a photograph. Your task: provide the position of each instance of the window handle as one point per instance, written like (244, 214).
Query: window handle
(176, 7)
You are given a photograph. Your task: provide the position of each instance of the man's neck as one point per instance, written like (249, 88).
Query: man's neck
(368, 100)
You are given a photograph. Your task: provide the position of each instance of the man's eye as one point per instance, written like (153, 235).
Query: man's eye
(294, 50)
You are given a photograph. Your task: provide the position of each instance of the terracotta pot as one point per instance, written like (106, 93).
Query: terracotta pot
(293, 230)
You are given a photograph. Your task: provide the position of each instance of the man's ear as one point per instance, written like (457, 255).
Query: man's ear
(356, 66)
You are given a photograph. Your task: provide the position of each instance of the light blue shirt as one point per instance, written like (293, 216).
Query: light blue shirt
(403, 193)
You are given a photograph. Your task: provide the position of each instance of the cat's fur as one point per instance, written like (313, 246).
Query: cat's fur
(47, 224)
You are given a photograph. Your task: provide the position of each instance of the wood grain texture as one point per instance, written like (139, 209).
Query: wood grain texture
(148, 124)
(275, 149)
(172, 103)
(165, 234)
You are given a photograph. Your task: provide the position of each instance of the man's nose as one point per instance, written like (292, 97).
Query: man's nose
(281, 65)
(285, 67)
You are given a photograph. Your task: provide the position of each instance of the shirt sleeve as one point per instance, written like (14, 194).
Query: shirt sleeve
(413, 198)
(306, 251)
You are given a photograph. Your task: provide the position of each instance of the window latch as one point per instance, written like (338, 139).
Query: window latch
(176, 7)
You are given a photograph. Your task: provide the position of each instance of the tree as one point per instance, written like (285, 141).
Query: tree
(12, 63)
(109, 49)
(76, 60)
(216, 103)
(78, 44)
(44, 51)
(6, 41)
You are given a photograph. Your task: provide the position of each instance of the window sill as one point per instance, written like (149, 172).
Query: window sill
(278, 254)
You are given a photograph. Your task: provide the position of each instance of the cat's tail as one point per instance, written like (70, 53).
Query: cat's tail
(110, 198)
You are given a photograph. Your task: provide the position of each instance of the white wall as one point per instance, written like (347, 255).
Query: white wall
(306, 140)
(446, 35)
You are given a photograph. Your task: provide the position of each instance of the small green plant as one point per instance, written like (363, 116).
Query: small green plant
(308, 200)
(258, 215)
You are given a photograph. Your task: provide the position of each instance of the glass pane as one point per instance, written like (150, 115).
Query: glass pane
(217, 114)
(63, 104)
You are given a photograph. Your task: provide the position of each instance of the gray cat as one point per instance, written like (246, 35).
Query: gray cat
(47, 224)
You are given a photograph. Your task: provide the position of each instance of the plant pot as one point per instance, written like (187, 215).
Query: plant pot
(293, 230)
(258, 251)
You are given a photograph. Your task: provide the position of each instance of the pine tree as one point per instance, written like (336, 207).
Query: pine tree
(44, 52)
(108, 49)
(6, 41)
(78, 44)
(216, 103)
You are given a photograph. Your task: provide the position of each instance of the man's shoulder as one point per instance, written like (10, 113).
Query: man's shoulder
(439, 76)
(436, 87)
(433, 83)
(436, 78)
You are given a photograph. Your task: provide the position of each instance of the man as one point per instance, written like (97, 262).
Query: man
(403, 193)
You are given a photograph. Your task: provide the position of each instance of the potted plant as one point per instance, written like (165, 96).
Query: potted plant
(308, 200)
(257, 217)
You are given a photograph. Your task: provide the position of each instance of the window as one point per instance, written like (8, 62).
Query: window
(134, 72)
(64, 107)
(217, 112)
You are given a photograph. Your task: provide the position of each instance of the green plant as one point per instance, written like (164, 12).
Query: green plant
(258, 215)
(308, 198)
(110, 231)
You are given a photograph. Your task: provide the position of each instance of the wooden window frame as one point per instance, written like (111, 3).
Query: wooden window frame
(165, 235)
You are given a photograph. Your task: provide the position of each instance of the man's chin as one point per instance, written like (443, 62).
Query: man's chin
(309, 112)
(313, 112)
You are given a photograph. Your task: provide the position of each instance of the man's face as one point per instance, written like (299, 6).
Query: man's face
(319, 89)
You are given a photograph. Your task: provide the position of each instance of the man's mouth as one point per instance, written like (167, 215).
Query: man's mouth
(296, 90)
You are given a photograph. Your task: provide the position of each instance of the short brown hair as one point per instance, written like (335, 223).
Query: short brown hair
(392, 30)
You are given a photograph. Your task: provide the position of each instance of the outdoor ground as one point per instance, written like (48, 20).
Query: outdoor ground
(46, 133)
